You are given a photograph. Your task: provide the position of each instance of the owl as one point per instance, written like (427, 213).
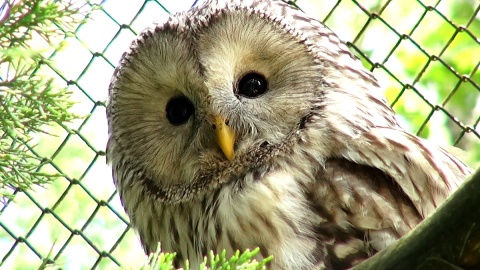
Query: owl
(244, 123)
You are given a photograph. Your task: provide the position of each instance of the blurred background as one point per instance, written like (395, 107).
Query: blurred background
(426, 55)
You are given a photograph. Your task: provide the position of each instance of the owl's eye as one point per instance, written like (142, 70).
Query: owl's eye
(179, 110)
(252, 85)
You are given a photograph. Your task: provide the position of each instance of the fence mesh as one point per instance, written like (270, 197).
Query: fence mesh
(425, 53)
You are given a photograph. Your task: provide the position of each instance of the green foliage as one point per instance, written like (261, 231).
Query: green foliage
(246, 261)
(441, 78)
(29, 100)
(427, 62)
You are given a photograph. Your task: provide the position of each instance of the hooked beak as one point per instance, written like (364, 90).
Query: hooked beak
(225, 136)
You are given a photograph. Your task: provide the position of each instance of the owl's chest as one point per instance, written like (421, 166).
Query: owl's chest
(271, 213)
(297, 217)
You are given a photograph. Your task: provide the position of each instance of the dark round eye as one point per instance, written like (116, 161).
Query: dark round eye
(179, 109)
(252, 85)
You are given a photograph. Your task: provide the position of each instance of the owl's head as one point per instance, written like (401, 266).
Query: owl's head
(218, 83)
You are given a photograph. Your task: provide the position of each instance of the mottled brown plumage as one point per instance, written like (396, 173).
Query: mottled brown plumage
(321, 175)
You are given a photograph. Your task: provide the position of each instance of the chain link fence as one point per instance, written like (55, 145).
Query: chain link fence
(426, 54)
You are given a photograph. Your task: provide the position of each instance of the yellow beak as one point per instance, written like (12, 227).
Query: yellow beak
(225, 136)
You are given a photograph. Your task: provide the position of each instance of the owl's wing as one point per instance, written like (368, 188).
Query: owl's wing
(384, 183)
(362, 211)
(426, 173)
